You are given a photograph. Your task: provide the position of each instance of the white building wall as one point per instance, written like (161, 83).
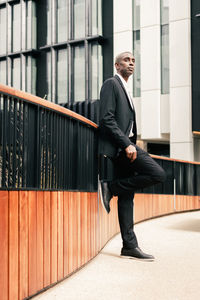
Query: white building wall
(181, 139)
(160, 117)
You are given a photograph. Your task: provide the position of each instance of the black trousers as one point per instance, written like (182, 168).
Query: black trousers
(143, 172)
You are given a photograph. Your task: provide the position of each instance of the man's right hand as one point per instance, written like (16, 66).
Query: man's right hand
(131, 153)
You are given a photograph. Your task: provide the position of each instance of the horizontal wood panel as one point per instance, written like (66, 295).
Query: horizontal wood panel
(46, 236)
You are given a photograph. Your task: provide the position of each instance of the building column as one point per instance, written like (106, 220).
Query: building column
(181, 139)
(150, 70)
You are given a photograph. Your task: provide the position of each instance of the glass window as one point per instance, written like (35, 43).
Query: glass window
(96, 6)
(164, 12)
(136, 14)
(136, 48)
(97, 70)
(28, 24)
(164, 5)
(137, 72)
(79, 19)
(34, 26)
(3, 30)
(31, 75)
(79, 73)
(16, 73)
(31, 25)
(165, 59)
(48, 95)
(62, 76)
(49, 13)
(3, 71)
(62, 20)
(16, 27)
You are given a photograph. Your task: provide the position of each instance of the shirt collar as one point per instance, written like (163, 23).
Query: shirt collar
(123, 81)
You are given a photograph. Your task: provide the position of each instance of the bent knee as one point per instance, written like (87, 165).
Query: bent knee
(160, 177)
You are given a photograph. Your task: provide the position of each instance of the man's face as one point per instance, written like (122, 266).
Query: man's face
(125, 67)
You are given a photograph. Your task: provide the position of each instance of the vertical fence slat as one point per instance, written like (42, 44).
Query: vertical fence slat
(4, 244)
(47, 236)
(60, 235)
(23, 244)
(40, 240)
(13, 245)
(54, 240)
(66, 233)
(78, 209)
(32, 242)
(84, 236)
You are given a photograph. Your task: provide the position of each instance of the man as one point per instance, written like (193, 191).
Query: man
(133, 168)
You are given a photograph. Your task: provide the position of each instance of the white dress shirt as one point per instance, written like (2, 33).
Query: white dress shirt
(129, 97)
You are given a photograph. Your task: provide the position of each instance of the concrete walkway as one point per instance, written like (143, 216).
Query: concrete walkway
(174, 275)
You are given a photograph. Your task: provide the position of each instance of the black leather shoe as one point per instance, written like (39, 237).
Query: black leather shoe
(105, 195)
(136, 253)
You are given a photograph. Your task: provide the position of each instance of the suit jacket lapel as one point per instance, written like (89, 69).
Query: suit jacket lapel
(120, 82)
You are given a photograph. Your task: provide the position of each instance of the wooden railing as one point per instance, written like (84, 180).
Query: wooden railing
(46, 235)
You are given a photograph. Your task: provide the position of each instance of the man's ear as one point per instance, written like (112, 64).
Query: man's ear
(116, 66)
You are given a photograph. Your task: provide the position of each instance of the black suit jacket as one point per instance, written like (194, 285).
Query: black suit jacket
(116, 118)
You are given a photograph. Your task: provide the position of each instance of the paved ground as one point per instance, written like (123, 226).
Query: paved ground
(174, 275)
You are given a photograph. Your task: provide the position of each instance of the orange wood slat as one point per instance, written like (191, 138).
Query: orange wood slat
(4, 244)
(32, 242)
(54, 240)
(78, 209)
(60, 236)
(88, 227)
(47, 237)
(13, 245)
(23, 244)
(70, 233)
(74, 238)
(40, 240)
(66, 233)
(83, 223)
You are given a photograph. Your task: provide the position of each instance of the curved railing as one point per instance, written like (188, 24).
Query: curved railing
(51, 221)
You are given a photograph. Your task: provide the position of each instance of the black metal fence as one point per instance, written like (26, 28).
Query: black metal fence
(182, 178)
(41, 148)
(44, 149)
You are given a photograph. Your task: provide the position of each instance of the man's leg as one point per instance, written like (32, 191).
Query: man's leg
(143, 172)
(125, 215)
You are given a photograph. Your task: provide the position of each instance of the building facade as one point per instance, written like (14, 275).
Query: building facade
(62, 50)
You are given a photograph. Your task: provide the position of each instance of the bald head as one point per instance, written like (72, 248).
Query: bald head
(119, 57)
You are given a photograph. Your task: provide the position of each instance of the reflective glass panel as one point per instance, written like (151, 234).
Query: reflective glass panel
(136, 14)
(165, 59)
(31, 75)
(28, 24)
(49, 14)
(62, 20)
(79, 73)
(3, 26)
(34, 26)
(16, 27)
(16, 73)
(164, 7)
(97, 70)
(96, 17)
(136, 48)
(3, 71)
(79, 18)
(137, 72)
(49, 77)
(62, 76)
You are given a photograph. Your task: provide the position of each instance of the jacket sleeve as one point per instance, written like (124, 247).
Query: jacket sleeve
(108, 123)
